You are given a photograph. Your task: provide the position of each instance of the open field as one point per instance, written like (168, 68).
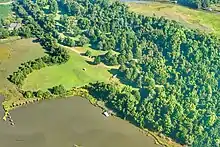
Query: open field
(69, 74)
(4, 10)
(196, 19)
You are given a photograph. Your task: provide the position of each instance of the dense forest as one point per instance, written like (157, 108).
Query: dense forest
(175, 69)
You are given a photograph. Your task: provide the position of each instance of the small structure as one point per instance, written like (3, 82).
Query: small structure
(14, 26)
(106, 114)
(114, 76)
(84, 69)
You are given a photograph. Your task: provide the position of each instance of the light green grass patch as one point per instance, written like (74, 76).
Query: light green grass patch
(93, 51)
(5, 10)
(69, 74)
(195, 19)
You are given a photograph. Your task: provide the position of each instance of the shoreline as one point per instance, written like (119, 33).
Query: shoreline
(157, 139)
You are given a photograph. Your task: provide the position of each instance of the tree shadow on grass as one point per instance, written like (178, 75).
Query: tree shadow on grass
(90, 63)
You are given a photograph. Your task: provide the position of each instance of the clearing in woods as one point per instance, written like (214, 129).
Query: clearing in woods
(69, 74)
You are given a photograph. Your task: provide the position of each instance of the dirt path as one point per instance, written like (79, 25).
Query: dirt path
(90, 59)
(6, 3)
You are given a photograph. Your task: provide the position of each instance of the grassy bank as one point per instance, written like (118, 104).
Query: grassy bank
(196, 19)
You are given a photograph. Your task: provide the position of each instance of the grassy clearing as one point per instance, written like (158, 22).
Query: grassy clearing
(87, 47)
(4, 10)
(195, 19)
(69, 74)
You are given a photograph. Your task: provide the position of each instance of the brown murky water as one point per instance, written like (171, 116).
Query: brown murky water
(65, 122)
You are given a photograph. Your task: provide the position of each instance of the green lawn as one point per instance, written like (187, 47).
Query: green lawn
(4, 10)
(69, 74)
(196, 19)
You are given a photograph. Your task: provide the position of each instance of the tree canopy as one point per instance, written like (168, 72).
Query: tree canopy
(174, 69)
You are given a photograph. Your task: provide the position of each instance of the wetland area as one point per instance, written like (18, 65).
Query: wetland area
(65, 122)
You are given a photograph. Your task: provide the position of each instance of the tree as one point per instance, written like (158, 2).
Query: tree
(97, 60)
(28, 94)
(82, 40)
(88, 53)
(58, 90)
(53, 7)
(69, 42)
(3, 33)
(40, 94)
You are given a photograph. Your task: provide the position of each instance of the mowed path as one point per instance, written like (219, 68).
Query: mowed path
(91, 59)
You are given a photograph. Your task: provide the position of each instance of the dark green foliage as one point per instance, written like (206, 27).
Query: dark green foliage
(28, 94)
(68, 42)
(88, 53)
(97, 60)
(82, 41)
(53, 6)
(58, 90)
(109, 58)
(3, 33)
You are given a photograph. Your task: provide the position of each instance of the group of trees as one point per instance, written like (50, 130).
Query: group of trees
(176, 70)
(49, 93)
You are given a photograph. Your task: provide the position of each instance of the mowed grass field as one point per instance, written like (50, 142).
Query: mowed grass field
(195, 19)
(69, 74)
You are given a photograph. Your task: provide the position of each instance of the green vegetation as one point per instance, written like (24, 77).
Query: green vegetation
(195, 4)
(4, 10)
(195, 19)
(171, 72)
(198, 3)
(3, 1)
(70, 74)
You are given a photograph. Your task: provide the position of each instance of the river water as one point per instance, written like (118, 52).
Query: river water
(65, 122)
